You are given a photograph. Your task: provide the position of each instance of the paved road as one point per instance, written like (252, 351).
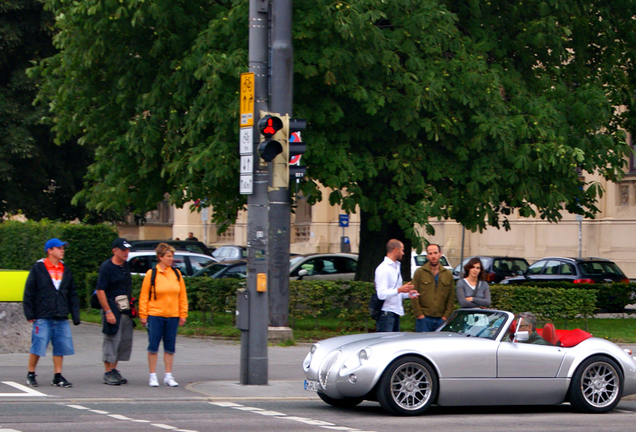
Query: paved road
(210, 398)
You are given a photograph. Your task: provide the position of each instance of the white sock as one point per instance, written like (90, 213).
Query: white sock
(168, 375)
(153, 375)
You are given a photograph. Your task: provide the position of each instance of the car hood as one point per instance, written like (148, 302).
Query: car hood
(370, 339)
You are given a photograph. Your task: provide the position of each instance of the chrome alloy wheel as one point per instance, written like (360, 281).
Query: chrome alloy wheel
(411, 386)
(600, 384)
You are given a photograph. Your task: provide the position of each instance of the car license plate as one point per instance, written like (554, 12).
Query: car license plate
(311, 385)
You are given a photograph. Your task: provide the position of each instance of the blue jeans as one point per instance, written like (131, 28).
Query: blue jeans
(56, 331)
(162, 328)
(428, 324)
(387, 322)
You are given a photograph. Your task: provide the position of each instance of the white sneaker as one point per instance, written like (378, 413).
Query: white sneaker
(153, 381)
(169, 381)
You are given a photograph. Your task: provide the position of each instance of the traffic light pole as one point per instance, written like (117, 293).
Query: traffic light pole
(254, 340)
(281, 98)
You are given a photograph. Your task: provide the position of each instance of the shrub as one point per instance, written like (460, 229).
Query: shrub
(547, 303)
(611, 297)
(22, 244)
(348, 301)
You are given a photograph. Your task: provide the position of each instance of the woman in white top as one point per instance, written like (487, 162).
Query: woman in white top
(473, 291)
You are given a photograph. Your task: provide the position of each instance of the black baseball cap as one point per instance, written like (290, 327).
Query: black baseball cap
(121, 243)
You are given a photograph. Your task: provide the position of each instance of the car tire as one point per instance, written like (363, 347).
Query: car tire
(408, 386)
(340, 403)
(597, 385)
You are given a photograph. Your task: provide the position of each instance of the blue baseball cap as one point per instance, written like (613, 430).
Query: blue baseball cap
(54, 242)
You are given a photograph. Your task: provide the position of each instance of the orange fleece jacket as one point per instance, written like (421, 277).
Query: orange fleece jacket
(171, 301)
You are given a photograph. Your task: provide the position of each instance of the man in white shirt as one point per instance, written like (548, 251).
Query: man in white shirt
(389, 287)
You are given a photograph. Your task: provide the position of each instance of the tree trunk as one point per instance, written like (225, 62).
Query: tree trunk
(372, 249)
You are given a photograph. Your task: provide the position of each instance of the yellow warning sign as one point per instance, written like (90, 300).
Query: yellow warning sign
(247, 99)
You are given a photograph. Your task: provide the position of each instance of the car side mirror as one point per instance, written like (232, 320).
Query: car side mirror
(302, 273)
(522, 336)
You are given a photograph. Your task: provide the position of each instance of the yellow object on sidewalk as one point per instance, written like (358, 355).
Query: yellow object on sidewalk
(12, 285)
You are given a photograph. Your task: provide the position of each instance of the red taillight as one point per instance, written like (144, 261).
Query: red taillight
(625, 281)
(583, 281)
(490, 277)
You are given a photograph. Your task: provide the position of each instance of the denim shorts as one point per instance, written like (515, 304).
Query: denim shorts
(162, 328)
(56, 331)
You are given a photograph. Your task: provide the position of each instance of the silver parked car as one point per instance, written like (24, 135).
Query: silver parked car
(473, 359)
(188, 263)
(328, 266)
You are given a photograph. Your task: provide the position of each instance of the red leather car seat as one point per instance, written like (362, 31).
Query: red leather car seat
(549, 334)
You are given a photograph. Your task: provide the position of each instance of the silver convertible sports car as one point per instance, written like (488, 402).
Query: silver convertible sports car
(476, 358)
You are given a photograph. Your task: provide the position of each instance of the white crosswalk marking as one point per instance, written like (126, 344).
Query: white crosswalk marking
(27, 391)
(125, 418)
(275, 414)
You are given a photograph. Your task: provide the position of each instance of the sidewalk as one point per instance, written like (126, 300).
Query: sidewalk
(204, 367)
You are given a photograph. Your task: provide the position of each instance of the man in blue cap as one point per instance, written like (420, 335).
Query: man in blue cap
(50, 295)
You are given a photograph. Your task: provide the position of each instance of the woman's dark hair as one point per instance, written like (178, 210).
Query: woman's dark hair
(470, 265)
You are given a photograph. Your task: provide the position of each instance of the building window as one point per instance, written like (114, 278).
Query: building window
(227, 236)
(624, 194)
(632, 156)
(302, 233)
(302, 221)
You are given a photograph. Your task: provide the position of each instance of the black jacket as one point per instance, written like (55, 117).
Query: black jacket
(42, 300)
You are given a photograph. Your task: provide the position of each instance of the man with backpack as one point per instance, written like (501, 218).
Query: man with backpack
(114, 290)
(390, 289)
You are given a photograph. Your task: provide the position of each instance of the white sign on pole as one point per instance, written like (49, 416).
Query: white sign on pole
(247, 165)
(247, 185)
(245, 141)
(205, 214)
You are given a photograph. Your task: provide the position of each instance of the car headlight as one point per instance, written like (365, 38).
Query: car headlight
(364, 355)
(355, 361)
(310, 356)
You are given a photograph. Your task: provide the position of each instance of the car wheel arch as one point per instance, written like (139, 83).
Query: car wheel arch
(577, 362)
(388, 363)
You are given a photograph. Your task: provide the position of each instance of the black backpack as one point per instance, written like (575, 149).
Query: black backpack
(375, 306)
(153, 277)
(95, 304)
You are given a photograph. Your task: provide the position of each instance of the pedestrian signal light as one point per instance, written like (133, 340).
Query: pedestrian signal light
(269, 147)
(269, 125)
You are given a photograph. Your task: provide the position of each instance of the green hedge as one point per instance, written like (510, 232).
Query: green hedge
(610, 297)
(547, 303)
(204, 294)
(22, 244)
(348, 301)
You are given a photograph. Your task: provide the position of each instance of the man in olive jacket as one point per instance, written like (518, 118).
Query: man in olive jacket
(50, 295)
(436, 287)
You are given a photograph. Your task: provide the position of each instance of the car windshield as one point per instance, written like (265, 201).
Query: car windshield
(420, 260)
(485, 261)
(211, 270)
(295, 259)
(598, 268)
(483, 324)
(510, 265)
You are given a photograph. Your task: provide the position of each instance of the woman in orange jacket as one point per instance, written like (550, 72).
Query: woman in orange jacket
(163, 307)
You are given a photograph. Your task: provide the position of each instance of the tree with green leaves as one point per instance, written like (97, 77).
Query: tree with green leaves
(417, 109)
(37, 178)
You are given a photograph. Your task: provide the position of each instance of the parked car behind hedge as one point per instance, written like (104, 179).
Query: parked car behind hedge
(576, 270)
